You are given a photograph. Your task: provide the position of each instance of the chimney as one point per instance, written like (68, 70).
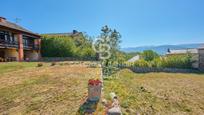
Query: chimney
(75, 31)
(2, 19)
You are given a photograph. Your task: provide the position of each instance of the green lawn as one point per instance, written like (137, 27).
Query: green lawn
(47, 90)
(158, 93)
(13, 66)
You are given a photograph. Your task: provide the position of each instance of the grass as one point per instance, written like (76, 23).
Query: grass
(62, 87)
(157, 93)
(58, 89)
(13, 66)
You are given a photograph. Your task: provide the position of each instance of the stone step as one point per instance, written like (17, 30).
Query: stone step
(115, 107)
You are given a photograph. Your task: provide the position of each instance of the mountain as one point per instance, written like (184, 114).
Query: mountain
(162, 49)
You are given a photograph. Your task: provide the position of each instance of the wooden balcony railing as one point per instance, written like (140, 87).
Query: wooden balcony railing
(14, 44)
(27, 46)
(31, 46)
(8, 44)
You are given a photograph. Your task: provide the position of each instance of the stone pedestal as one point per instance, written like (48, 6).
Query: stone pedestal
(94, 90)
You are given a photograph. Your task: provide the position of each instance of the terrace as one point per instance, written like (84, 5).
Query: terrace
(8, 44)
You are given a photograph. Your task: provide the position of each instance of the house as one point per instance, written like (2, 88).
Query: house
(182, 51)
(197, 56)
(18, 43)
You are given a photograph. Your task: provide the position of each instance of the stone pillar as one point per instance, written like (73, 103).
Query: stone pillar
(20, 47)
(201, 59)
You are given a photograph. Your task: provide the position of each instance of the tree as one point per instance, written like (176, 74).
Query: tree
(149, 55)
(78, 47)
(84, 47)
(57, 47)
(107, 46)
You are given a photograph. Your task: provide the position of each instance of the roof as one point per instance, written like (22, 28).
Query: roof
(201, 48)
(64, 34)
(14, 26)
(183, 51)
(135, 58)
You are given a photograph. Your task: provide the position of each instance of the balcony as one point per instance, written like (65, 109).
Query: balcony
(8, 44)
(27, 46)
(14, 44)
(31, 47)
(36, 47)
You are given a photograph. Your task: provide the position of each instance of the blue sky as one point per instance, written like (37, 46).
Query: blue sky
(140, 22)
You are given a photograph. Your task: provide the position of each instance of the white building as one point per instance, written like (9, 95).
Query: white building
(135, 58)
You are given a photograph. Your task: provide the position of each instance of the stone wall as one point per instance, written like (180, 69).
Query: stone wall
(168, 70)
(11, 53)
(201, 59)
(195, 59)
(49, 59)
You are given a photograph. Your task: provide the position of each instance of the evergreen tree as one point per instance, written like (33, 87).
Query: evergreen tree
(108, 48)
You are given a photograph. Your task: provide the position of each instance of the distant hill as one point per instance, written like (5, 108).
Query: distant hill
(162, 49)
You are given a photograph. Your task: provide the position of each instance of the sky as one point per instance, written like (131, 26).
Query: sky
(140, 22)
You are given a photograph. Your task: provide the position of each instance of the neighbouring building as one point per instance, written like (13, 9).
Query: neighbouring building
(75, 33)
(134, 59)
(18, 43)
(197, 56)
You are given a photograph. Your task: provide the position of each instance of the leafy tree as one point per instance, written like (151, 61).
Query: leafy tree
(149, 55)
(84, 47)
(108, 47)
(57, 47)
(79, 47)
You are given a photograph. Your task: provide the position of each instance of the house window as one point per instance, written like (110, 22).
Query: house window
(7, 36)
(2, 35)
(13, 38)
(27, 41)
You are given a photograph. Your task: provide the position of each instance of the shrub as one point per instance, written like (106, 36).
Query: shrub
(78, 47)
(141, 63)
(57, 47)
(61, 64)
(53, 63)
(157, 62)
(149, 55)
(176, 61)
(40, 65)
